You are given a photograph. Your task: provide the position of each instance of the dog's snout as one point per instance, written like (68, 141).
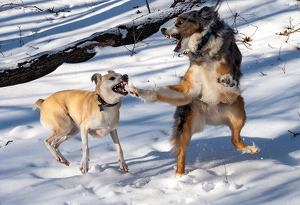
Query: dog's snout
(125, 77)
(163, 30)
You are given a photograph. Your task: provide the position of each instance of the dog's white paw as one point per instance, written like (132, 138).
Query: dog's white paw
(251, 149)
(123, 166)
(227, 81)
(133, 91)
(62, 160)
(84, 166)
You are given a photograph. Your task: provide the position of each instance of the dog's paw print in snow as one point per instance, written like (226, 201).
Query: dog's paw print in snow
(140, 182)
(208, 186)
(234, 186)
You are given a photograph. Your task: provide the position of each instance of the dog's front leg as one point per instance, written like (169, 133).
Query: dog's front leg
(123, 165)
(84, 165)
(173, 94)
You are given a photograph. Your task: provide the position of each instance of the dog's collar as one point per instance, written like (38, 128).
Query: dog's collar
(204, 40)
(103, 103)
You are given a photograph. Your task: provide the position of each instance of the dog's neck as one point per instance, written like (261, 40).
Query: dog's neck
(103, 104)
(204, 40)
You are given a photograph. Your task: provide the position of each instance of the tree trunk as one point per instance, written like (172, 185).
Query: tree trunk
(41, 64)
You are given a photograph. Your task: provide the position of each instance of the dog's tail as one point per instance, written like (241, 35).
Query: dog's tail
(38, 104)
(180, 116)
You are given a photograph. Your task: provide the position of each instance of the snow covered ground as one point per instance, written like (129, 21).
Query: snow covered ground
(215, 173)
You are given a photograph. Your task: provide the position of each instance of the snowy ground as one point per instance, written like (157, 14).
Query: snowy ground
(216, 172)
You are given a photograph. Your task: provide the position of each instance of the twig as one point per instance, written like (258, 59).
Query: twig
(235, 16)
(295, 134)
(290, 30)
(36, 48)
(148, 6)
(134, 36)
(226, 179)
(279, 52)
(20, 39)
(282, 68)
(263, 74)
(86, 6)
(217, 3)
(9, 141)
(247, 39)
(13, 4)
(135, 39)
(176, 2)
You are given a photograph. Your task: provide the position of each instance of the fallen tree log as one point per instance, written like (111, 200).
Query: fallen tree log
(41, 64)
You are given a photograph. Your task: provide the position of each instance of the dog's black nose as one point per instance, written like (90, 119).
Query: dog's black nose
(163, 30)
(125, 77)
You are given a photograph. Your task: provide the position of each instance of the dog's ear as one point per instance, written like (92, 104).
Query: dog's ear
(111, 71)
(96, 78)
(207, 13)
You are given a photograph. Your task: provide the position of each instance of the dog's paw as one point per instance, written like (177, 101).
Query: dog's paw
(251, 149)
(63, 161)
(227, 81)
(133, 91)
(123, 166)
(84, 166)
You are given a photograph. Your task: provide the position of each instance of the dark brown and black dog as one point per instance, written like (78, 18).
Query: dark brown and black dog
(209, 92)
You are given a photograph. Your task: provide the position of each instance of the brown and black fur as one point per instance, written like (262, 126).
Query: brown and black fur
(209, 92)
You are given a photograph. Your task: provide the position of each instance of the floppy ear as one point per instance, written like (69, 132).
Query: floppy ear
(110, 71)
(96, 78)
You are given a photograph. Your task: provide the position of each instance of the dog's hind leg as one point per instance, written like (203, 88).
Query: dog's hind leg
(52, 145)
(182, 134)
(63, 128)
(74, 131)
(236, 117)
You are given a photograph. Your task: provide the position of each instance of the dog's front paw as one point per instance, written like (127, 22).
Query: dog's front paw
(84, 166)
(133, 91)
(123, 166)
(251, 149)
(227, 81)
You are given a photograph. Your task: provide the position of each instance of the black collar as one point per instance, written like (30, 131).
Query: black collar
(204, 40)
(103, 103)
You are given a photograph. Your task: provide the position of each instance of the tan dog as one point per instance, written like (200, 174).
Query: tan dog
(95, 113)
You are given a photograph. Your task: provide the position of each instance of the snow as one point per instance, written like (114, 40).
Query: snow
(216, 173)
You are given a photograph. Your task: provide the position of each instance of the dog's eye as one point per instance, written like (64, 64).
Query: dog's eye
(112, 78)
(180, 22)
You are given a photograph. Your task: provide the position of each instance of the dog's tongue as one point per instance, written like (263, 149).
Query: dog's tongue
(178, 45)
(122, 90)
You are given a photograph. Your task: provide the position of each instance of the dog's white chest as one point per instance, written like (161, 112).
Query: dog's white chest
(103, 123)
(205, 80)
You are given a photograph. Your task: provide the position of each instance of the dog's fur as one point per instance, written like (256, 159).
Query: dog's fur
(209, 92)
(65, 113)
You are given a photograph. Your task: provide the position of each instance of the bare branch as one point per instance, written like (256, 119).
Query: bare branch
(22, 5)
(295, 134)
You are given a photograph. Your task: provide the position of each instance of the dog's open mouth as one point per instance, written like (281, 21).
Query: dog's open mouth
(178, 37)
(120, 88)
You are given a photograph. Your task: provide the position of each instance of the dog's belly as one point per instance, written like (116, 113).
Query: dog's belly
(211, 114)
(101, 126)
(99, 133)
